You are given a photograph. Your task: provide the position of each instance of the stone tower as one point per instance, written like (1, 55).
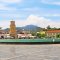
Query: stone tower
(13, 29)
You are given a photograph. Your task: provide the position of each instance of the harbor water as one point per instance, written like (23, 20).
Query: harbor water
(29, 52)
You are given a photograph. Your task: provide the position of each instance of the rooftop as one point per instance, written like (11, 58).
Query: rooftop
(53, 31)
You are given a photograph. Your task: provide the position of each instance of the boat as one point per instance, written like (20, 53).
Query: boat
(30, 41)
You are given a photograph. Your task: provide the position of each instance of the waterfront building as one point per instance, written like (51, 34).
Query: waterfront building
(2, 33)
(25, 34)
(52, 33)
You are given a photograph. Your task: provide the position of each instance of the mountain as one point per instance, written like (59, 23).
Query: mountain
(30, 27)
(27, 28)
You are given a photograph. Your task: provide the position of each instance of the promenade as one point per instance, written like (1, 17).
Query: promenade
(30, 52)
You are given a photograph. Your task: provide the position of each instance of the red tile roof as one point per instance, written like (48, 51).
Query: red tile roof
(53, 31)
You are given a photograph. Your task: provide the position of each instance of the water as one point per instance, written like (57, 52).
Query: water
(30, 52)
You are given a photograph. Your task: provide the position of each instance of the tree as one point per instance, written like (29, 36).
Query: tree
(33, 33)
(48, 27)
(58, 35)
(0, 28)
(40, 35)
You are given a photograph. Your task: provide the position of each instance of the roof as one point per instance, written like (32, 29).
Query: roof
(53, 31)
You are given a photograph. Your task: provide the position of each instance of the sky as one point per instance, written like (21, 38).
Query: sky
(25, 12)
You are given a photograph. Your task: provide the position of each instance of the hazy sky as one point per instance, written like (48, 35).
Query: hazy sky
(24, 12)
